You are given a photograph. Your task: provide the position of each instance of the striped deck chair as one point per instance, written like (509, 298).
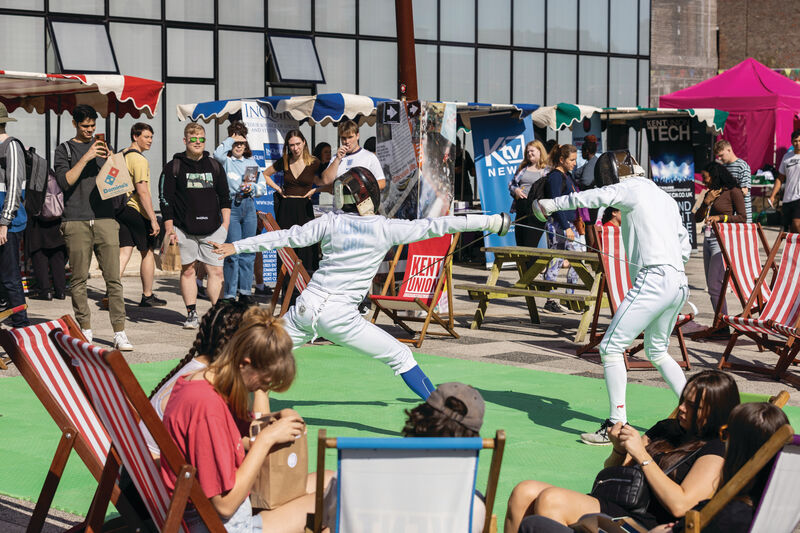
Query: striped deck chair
(778, 511)
(36, 357)
(120, 402)
(290, 264)
(780, 317)
(3, 315)
(616, 282)
(739, 243)
(428, 269)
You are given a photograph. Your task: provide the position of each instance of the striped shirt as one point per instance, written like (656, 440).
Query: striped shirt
(741, 171)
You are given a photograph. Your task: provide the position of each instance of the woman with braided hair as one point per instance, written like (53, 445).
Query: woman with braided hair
(216, 327)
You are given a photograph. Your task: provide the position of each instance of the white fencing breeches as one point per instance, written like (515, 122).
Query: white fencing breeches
(316, 314)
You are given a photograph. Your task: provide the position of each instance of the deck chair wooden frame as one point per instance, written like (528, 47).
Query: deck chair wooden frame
(739, 243)
(780, 316)
(697, 520)
(290, 266)
(4, 315)
(497, 445)
(621, 279)
(121, 403)
(390, 304)
(41, 365)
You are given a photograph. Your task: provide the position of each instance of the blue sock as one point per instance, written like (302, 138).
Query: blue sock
(418, 382)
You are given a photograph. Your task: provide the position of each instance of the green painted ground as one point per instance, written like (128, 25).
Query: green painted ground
(542, 413)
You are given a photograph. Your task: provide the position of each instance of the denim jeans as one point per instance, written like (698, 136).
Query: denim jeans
(238, 269)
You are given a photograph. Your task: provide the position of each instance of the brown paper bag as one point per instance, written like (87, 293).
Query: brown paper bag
(114, 179)
(283, 475)
(168, 258)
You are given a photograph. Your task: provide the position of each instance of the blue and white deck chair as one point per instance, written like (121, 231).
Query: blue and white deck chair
(420, 485)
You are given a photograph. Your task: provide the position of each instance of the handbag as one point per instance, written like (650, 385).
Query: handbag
(626, 486)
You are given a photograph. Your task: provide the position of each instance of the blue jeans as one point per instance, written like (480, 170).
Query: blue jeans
(238, 269)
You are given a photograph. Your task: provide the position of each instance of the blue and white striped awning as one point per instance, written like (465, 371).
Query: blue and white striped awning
(318, 109)
(332, 107)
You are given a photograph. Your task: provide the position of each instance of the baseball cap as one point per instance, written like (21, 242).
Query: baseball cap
(470, 397)
(4, 115)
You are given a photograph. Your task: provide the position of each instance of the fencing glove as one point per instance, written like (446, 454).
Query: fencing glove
(542, 208)
(500, 224)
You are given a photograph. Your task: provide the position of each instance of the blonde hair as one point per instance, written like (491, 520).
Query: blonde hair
(263, 340)
(721, 145)
(543, 160)
(346, 127)
(193, 127)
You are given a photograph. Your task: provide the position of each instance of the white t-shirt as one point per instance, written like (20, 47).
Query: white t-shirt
(790, 167)
(361, 158)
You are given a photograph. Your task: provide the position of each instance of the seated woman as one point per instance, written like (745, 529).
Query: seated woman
(207, 412)
(216, 328)
(749, 427)
(705, 404)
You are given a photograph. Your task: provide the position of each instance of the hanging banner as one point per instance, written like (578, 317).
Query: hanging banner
(265, 134)
(669, 141)
(499, 146)
(437, 159)
(397, 152)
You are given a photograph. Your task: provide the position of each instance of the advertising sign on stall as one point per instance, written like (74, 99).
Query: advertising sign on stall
(499, 146)
(437, 159)
(397, 153)
(265, 135)
(672, 164)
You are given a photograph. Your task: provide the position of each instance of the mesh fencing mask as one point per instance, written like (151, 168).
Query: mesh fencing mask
(357, 191)
(615, 166)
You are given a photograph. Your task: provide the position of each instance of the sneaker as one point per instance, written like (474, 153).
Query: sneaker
(263, 291)
(87, 334)
(552, 306)
(191, 321)
(152, 301)
(599, 437)
(121, 342)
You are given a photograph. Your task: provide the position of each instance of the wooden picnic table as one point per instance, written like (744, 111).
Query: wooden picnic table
(530, 262)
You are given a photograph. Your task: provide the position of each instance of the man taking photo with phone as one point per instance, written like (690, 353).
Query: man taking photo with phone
(88, 222)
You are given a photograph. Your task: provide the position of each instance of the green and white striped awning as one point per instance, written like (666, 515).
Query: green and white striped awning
(563, 115)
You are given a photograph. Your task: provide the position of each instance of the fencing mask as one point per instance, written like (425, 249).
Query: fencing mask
(615, 166)
(357, 191)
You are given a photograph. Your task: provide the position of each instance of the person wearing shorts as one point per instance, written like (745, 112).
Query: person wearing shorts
(196, 207)
(138, 226)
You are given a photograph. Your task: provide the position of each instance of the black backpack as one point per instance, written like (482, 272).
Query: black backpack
(36, 171)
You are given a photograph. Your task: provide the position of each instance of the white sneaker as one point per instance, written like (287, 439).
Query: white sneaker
(599, 437)
(121, 342)
(87, 333)
(192, 322)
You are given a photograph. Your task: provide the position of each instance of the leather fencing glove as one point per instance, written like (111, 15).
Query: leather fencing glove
(543, 208)
(499, 224)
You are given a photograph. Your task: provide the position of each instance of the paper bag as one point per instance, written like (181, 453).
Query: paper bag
(283, 475)
(169, 257)
(114, 179)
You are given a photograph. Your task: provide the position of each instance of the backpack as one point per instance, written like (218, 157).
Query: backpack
(36, 171)
(53, 205)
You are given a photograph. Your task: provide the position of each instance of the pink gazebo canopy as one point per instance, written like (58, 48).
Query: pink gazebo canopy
(761, 103)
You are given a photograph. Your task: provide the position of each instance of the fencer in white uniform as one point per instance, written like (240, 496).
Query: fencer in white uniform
(658, 247)
(353, 245)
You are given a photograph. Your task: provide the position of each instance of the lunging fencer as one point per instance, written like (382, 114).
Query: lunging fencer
(354, 241)
(658, 248)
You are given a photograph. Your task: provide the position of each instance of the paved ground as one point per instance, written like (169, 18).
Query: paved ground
(507, 337)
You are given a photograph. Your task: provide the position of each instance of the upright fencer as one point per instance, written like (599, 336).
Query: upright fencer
(354, 241)
(658, 247)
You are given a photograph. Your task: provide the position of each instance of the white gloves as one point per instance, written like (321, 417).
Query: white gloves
(542, 208)
(499, 224)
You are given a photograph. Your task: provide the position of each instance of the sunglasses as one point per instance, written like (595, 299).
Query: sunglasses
(240, 143)
(197, 139)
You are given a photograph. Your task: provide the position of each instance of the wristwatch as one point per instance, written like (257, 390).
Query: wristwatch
(645, 463)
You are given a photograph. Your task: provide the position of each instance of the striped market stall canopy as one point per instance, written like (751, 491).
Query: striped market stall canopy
(108, 94)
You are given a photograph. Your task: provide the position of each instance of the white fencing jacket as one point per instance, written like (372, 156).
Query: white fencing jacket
(353, 246)
(652, 229)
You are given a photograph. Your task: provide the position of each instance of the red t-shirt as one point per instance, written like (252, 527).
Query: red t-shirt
(203, 428)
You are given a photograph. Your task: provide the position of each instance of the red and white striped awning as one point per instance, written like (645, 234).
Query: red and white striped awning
(115, 94)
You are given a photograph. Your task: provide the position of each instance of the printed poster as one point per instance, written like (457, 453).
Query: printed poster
(498, 142)
(265, 134)
(397, 153)
(672, 164)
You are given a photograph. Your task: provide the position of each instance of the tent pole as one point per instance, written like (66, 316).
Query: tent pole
(406, 58)
(116, 125)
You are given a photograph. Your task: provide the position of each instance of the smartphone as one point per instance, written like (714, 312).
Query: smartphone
(100, 137)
